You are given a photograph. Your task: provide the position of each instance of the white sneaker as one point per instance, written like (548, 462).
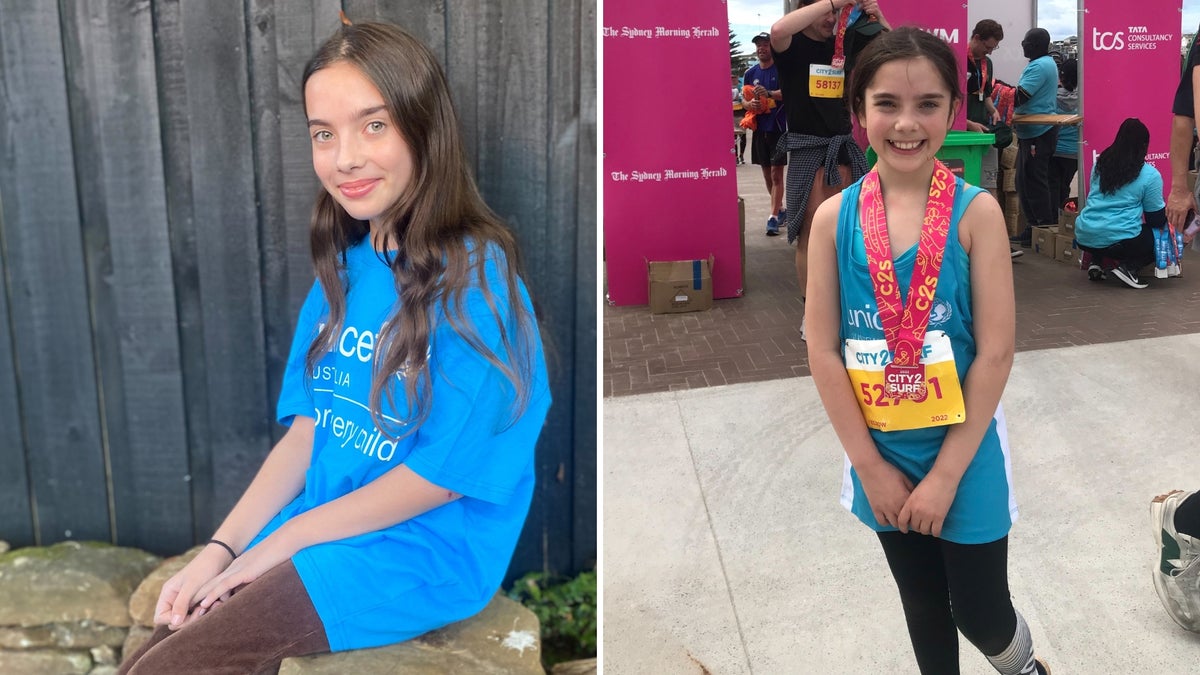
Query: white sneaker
(1177, 569)
(1174, 270)
(1160, 273)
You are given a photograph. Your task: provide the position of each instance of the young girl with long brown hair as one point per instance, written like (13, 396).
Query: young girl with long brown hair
(911, 330)
(414, 395)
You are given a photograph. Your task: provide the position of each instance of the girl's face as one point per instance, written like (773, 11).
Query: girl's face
(358, 152)
(907, 111)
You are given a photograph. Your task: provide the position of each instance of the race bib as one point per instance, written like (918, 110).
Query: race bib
(943, 402)
(825, 81)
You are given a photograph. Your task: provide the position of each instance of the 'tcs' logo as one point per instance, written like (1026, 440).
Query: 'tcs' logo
(1107, 41)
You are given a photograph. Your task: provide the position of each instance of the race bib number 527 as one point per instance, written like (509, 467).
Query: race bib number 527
(943, 402)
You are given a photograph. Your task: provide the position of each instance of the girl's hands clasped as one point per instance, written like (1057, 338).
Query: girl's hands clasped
(926, 508)
(887, 491)
(249, 566)
(175, 601)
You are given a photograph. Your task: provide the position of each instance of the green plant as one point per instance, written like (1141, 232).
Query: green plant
(566, 610)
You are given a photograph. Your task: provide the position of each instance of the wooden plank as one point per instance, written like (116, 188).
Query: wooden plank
(112, 87)
(560, 278)
(177, 172)
(587, 298)
(516, 131)
(298, 33)
(269, 186)
(203, 71)
(227, 248)
(1051, 119)
(463, 56)
(48, 308)
(16, 502)
(425, 20)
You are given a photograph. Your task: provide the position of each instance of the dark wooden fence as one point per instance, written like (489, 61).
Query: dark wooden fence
(155, 189)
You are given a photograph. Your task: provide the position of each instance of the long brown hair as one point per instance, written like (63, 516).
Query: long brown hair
(440, 229)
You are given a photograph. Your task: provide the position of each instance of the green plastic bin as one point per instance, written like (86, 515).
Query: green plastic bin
(962, 153)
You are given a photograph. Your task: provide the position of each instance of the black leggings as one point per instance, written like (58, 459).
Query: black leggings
(946, 588)
(1134, 253)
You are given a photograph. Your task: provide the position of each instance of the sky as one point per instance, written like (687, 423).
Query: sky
(750, 17)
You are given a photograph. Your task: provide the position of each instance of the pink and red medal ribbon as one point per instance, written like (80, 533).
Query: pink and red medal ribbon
(904, 326)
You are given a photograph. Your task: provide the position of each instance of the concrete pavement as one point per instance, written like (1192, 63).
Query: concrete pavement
(725, 549)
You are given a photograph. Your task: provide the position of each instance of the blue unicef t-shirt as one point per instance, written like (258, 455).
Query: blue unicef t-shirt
(1109, 218)
(1040, 80)
(446, 564)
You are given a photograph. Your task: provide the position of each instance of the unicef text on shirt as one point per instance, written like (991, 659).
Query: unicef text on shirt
(354, 343)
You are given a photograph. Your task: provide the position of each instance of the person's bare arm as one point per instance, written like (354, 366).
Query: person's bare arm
(396, 496)
(277, 482)
(798, 19)
(885, 486)
(982, 233)
(1180, 199)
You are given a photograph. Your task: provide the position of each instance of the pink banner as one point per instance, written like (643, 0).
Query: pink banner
(1130, 68)
(670, 188)
(946, 19)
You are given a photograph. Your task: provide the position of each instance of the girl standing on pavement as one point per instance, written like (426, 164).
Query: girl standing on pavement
(414, 395)
(911, 372)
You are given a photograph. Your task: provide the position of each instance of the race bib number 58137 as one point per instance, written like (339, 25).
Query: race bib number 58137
(825, 81)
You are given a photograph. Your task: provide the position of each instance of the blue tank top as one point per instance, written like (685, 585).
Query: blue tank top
(983, 509)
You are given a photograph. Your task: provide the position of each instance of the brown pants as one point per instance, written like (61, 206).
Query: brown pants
(257, 628)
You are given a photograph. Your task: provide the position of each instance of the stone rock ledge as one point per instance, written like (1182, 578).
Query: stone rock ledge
(75, 608)
(64, 609)
(504, 638)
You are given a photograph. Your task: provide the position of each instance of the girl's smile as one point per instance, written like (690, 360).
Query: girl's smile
(356, 189)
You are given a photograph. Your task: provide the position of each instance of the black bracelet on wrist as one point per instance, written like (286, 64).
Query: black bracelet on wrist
(223, 545)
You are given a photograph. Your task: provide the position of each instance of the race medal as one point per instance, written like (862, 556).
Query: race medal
(904, 376)
(839, 42)
(905, 381)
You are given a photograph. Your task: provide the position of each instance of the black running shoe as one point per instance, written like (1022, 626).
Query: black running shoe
(1096, 272)
(1128, 276)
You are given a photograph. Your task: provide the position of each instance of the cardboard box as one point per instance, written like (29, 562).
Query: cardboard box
(680, 285)
(1008, 157)
(1012, 213)
(1043, 240)
(1013, 222)
(1064, 249)
(1010, 180)
(1066, 221)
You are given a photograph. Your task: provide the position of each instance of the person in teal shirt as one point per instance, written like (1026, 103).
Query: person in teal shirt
(1125, 200)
